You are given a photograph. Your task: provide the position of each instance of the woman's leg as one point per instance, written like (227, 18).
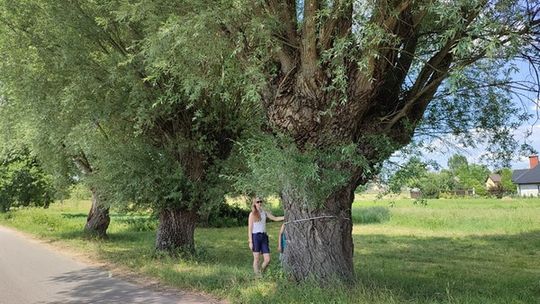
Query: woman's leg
(256, 256)
(266, 261)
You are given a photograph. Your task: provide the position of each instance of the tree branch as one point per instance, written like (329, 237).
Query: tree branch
(309, 56)
(81, 161)
(284, 13)
(338, 25)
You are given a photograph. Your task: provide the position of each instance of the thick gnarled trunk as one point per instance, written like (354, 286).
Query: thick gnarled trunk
(98, 218)
(319, 241)
(176, 230)
(319, 236)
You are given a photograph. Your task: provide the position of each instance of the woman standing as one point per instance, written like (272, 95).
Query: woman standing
(257, 237)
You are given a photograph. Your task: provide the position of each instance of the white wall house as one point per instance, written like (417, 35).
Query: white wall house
(528, 189)
(528, 180)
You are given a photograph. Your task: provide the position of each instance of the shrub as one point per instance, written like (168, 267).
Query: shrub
(23, 182)
(226, 216)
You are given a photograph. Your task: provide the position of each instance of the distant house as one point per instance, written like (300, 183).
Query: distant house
(416, 193)
(493, 182)
(528, 180)
(375, 187)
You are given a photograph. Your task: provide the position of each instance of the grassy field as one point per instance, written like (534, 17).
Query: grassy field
(448, 251)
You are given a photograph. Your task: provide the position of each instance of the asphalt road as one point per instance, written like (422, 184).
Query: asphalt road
(31, 273)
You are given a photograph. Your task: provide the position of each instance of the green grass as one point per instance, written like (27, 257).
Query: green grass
(450, 251)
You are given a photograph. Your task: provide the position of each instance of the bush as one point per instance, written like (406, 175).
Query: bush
(371, 215)
(226, 216)
(23, 182)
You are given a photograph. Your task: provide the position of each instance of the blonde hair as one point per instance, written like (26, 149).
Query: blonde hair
(254, 210)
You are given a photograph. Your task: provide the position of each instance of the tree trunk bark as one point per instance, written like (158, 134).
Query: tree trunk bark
(98, 218)
(319, 241)
(176, 229)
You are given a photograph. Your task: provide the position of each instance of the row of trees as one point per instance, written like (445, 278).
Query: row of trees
(171, 104)
(460, 175)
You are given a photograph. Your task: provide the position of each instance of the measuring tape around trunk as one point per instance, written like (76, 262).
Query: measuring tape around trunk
(313, 218)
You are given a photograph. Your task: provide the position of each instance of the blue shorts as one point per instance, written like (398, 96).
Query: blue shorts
(260, 242)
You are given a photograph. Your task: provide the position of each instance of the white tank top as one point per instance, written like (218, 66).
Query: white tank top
(260, 226)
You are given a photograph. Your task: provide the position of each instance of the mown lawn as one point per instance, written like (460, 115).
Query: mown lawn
(448, 251)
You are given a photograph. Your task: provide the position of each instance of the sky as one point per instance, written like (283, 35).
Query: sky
(473, 155)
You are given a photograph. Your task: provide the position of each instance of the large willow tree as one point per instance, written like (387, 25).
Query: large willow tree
(347, 83)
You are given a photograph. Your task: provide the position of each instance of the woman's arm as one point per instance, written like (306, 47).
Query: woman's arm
(274, 218)
(250, 230)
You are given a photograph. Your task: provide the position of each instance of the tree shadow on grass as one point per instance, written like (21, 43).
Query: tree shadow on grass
(73, 215)
(123, 236)
(111, 215)
(473, 269)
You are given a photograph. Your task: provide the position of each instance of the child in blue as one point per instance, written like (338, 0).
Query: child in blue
(282, 242)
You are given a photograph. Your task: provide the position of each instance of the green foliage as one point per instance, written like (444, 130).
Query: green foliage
(80, 192)
(409, 175)
(431, 185)
(415, 174)
(276, 164)
(469, 176)
(22, 181)
(456, 162)
(459, 177)
(136, 172)
(508, 186)
(50, 104)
